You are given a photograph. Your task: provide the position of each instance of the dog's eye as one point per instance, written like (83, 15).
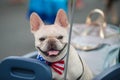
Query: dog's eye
(60, 37)
(42, 39)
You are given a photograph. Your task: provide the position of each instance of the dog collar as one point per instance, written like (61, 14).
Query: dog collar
(58, 66)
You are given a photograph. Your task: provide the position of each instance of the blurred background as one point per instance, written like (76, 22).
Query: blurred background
(15, 36)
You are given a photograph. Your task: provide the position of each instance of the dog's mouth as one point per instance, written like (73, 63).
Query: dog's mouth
(52, 52)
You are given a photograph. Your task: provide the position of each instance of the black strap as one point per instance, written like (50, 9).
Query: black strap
(119, 56)
(82, 68)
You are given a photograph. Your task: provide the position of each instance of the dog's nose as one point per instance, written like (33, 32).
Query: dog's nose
(51, 44)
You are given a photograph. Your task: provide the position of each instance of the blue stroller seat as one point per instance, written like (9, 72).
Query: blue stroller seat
(112, 73)
(20, 68)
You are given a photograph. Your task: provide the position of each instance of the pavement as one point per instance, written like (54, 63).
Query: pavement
(15, 36)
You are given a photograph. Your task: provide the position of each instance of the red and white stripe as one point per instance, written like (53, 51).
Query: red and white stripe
(58, 67)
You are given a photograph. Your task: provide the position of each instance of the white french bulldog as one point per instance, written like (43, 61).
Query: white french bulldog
(51, 42)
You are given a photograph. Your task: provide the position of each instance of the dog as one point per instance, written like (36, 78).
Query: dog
(51, 42)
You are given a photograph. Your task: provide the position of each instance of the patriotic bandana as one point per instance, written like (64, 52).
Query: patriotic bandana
(58, 66)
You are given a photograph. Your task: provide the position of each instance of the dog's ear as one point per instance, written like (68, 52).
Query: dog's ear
(61, 19)
(35, 22)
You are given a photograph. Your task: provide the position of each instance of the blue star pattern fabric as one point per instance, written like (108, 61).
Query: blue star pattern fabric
(40, 58)
(58, 66)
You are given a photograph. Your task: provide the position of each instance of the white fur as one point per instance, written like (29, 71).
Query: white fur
(51, 32)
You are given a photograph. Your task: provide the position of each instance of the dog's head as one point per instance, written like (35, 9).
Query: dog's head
(50, 40)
